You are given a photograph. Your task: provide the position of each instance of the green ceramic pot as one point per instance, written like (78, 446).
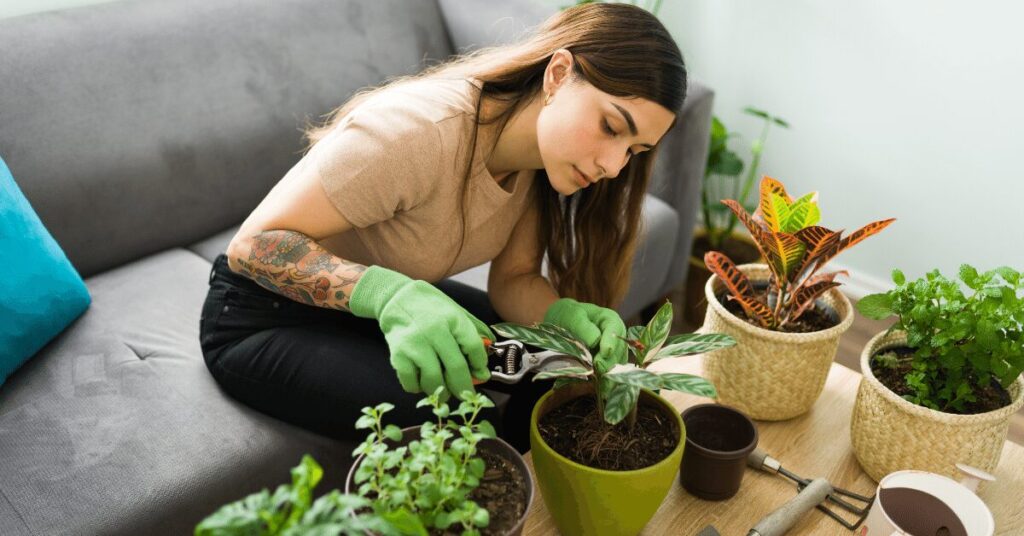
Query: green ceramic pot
(585, 501)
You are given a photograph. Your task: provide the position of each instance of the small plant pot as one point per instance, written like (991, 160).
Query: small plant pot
(741, 249)
(718, 441)
(585, 501)
(495, 446)
(891, 434)
(770, 375)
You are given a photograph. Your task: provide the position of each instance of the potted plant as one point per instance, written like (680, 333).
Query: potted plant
(941, 384)
(605, 447)
(787, 315)
(449, 477)
(721, 178)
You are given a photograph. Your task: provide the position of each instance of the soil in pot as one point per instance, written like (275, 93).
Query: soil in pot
(502, 492)
(577, 431)
(989, 398)
(817, 318)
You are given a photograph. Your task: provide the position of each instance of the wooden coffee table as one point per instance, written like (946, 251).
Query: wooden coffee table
(816, 444)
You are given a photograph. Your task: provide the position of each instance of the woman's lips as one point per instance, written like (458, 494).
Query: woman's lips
(580, 179)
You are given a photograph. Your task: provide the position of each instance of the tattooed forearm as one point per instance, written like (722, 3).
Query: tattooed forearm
(294, 265)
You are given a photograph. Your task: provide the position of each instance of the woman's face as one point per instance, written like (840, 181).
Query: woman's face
(586, 135)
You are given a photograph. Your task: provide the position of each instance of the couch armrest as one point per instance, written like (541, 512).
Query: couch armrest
(679, 171)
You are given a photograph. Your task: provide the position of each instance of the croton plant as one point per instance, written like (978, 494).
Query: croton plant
(796, 248)
(618, 382)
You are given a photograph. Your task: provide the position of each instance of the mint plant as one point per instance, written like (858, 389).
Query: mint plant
(618, 389)
(961, 342)
(403, 491)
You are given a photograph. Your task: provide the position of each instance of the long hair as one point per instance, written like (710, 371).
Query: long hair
(589, 237)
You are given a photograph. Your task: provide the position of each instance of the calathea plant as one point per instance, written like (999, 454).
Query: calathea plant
(618, 382)
(796, 249)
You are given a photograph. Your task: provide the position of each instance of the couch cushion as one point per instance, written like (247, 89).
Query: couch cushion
(116, 427)
(40, 292)
(173, 119)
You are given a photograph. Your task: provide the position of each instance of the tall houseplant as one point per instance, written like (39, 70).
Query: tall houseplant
(722, 180)
(610, 492)
(940, 386)
(786, 314)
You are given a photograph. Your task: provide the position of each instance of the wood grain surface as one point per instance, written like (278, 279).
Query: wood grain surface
(816, 444)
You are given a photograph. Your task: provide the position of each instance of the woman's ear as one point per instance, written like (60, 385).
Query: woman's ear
(558, 71)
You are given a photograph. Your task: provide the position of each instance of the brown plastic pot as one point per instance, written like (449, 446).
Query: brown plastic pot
(718, 441)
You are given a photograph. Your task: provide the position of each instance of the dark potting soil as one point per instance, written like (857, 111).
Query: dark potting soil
(990, 397)
(737, 251)
(813, 319)
(577, 431)
(502, 492)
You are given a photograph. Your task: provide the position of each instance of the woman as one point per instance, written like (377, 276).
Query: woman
(326, 302)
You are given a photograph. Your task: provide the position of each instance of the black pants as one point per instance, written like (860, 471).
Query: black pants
(317, 368)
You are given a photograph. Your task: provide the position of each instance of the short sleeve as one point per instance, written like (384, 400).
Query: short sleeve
(379, 161)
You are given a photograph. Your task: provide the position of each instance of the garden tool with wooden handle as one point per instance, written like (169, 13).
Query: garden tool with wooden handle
(782, 519)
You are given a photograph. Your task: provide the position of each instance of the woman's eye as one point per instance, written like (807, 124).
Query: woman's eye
(608, 128)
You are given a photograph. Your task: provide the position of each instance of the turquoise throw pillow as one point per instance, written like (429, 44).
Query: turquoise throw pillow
(41, 293)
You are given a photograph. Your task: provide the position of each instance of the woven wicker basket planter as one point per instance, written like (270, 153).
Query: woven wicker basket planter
(770, 375)
(890, 434)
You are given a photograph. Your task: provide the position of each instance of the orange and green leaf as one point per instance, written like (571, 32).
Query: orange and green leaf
(820, 242)
(739, 288)
(756, 229)
(856, 237)
(785, 252)
(804, 297)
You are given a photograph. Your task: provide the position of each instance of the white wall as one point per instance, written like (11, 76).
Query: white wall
(11, 8)
(911, 109)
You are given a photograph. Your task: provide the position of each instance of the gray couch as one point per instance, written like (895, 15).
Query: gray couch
(143, 132)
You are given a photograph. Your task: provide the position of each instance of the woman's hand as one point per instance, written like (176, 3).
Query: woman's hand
(433, 340)
(595, 326)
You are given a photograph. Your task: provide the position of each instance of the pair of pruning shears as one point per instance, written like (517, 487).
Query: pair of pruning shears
(509, 360)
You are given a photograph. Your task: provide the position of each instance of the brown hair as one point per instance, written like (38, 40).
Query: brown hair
(589, 237)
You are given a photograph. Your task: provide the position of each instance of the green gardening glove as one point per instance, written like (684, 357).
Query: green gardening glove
(433, 340)
(594, 325)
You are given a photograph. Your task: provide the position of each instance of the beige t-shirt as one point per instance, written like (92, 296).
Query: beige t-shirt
(394, 168)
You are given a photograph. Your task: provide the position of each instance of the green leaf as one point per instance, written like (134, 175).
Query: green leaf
(393, 432)
(575, 372)
(876, 306)
(1008, 274)
(898, 277)
(621, 399)
(687, 383)
(969, 275)
(696, 343)
(634, 376)
(654, 335)
(564, 381)
(545, 337)
(405, 522)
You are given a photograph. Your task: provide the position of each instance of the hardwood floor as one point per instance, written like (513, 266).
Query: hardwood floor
(850, 346)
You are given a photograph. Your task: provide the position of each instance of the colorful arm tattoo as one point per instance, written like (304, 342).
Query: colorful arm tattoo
(296, 266)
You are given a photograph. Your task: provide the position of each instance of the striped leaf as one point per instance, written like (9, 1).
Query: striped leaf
(774, 209)
(804, 297)
(856, 237)
(654, 334)
(820, 242)
(739, 287)
(785, 252)
(688, 383)
(804, 212)
(757, 230)
(698, 343)
(575, 372)
(559, 331)
(636, 377)
(621, 398)
(536, 336)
